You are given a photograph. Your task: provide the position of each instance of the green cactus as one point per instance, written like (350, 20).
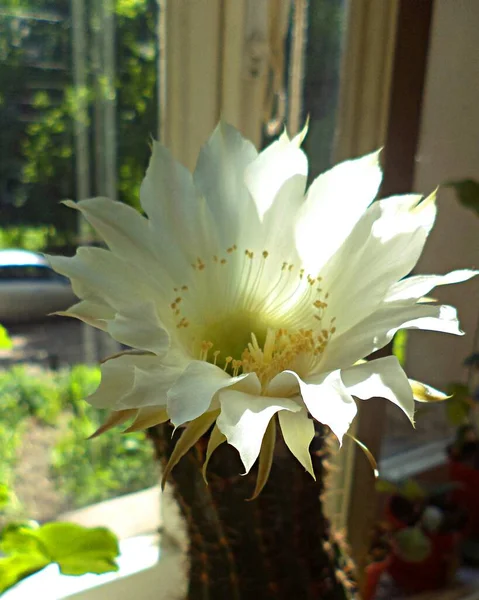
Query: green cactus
(278, 546)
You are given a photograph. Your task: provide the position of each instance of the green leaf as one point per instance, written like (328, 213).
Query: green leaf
(5, 341)
(458, 390)
(383, 486)
(412, 490)
(459, 406)
(412, 545)
(467, 192)
(457, 411)
(78, 550)
(16, 538)
(399, 346)
(17, 567)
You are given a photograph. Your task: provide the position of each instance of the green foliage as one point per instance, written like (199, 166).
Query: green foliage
(26, 392)
(77, 383)
(36, 239)
(28, 238)
(459, 406)
(11, 428)
(467, 192)
(76, 550)
(4, 496)
(37, 166)
(89, 471)
(5, 341)
(84, 471)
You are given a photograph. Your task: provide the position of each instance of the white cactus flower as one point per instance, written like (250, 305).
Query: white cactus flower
(250, 300)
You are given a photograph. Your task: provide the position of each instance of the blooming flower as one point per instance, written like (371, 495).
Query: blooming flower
(250, 302)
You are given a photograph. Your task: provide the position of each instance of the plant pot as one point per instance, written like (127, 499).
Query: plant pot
(434, 572)
(372, 577)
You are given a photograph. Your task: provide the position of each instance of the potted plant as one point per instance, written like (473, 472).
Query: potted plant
(418, 545)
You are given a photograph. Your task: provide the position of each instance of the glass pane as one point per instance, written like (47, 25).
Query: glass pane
(326, 23)
(77, 107)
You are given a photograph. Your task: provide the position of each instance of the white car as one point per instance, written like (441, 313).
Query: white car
(29, 288)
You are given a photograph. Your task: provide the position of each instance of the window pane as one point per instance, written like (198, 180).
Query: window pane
(321, 83)
(77, 107)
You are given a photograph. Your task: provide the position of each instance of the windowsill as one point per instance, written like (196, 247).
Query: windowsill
(136, 554)
(150, 568)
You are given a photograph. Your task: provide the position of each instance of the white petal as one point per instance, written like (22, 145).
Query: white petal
(219, 177)
(95, 314)
(326, 399)
(125, 231)
(382, 248)
(140, 327)
(279, 221)
(298, 433)
(378, 329)
(118, 379)
(383, 378)
(274, 166)
(148, 416)
(334, 203)
(244, 418)
(413, 288)
(115, 281)
(195, 389)
(151, 383)
(181, 222)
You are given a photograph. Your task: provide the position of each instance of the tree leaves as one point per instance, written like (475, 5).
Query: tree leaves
(75, 549)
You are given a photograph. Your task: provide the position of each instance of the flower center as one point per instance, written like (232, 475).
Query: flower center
(248, 312)
(230, 335)
(298, 351)
(281, 350)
